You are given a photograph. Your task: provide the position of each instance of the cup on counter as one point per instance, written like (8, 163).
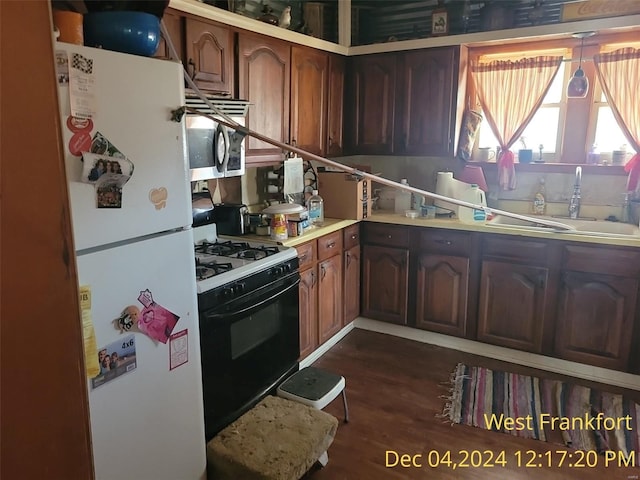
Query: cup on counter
(486, 154)
(428, 211)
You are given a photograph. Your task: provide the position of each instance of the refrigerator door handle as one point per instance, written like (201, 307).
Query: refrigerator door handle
(234, 315)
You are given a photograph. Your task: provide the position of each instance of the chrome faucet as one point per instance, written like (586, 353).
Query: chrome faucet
(574, 203)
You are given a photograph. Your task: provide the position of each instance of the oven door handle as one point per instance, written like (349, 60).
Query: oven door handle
(233, 315)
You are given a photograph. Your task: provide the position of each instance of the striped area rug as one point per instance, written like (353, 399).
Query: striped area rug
(550, 410)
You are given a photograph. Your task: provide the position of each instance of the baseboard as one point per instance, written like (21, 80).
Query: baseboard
(322, 349)
(564, 367)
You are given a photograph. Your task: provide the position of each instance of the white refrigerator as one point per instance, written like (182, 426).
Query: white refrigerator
(130, 197)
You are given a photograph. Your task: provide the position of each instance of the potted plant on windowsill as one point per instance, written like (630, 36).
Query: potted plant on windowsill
(525, 155)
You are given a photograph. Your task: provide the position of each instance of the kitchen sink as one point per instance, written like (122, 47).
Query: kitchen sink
(581, 226)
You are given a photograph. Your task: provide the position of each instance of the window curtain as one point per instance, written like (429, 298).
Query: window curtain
(619, 75)
(510, 93)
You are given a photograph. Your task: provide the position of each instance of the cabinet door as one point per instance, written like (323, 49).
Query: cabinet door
(442, 290)
(352, 264)
(385, 276)
(309, 83)
(329, 297)
(308, 311)
(426, 100)
(210, 55)
(595, 319)
(264, 68)
(173, 22)
(512, 305)
(335, 111)
(372, 97)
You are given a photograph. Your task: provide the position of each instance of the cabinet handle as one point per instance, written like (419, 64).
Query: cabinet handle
(192, 66)
(313, 278)
(331, 245)
(302, 258)
(347, 256)
(324, 272)
(541, 281)
(444, 242)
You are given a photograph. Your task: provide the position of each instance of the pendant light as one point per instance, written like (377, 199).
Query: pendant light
(578, 86)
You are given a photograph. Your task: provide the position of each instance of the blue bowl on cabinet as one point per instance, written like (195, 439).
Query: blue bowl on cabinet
(137, 33)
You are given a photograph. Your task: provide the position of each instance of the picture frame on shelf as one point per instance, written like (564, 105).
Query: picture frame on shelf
(439, 22)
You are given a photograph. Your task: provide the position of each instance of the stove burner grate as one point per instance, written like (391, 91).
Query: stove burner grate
(208, 270)
(224, 249)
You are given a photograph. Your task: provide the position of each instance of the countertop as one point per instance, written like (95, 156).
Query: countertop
(332, 224)
(454, 224)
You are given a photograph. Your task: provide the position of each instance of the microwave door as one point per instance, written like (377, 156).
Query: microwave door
(236, 164)
(202, 148)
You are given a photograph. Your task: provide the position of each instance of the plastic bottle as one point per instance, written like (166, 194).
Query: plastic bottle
(315, 206)
(472, 215)
(539, 206)
(403, 199)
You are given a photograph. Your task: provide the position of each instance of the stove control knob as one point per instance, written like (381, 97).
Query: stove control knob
(287, 268)
(276, 271)
(241, 288)
(229, 292)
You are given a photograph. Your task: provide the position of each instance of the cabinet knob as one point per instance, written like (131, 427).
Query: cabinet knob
(353, 237)
(331, 245)
(389, 237)
(330, 141)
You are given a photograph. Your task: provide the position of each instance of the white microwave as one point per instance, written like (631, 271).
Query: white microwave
(213, 149)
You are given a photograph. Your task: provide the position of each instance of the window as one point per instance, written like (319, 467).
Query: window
(564, 130)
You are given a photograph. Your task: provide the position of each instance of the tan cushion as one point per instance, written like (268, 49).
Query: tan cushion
(278, 439)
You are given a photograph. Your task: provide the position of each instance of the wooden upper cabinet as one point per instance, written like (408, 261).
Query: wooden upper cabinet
(173, 22)
(425, 102)
(309, 97)
(372, 90)
(209, 55)
(335, 113)
(264, 70)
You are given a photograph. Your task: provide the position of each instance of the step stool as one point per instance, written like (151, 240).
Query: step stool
(278, 439)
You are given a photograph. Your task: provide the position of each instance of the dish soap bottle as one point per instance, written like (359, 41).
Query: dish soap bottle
(539, 202)
(315, 206)
(403, 199)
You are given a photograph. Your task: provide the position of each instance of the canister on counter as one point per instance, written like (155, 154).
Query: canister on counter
(279, 227)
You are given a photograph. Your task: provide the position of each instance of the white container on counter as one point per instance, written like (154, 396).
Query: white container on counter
(472, 215)
(403, 199)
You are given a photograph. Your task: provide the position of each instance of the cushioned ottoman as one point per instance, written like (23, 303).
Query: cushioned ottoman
(278, 439)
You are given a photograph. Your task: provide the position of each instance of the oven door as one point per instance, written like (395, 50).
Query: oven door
(249, 346)
(208, 148)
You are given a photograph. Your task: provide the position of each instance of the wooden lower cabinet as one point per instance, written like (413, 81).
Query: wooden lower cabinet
(321, 291)
(352, 265)
(512, 305)
(442, 284)
(329, 297)
(308, 311)
(385, 275)
(351, 272)
(597, 317)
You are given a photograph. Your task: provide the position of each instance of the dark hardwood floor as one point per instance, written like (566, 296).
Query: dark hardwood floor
(394, 389)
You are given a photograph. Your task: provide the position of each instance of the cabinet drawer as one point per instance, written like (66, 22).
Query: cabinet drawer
(445, 241)
(612, 261)
(330, 245)
(386, 234)
(351, 236)
(508, 248)
(307, 254)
